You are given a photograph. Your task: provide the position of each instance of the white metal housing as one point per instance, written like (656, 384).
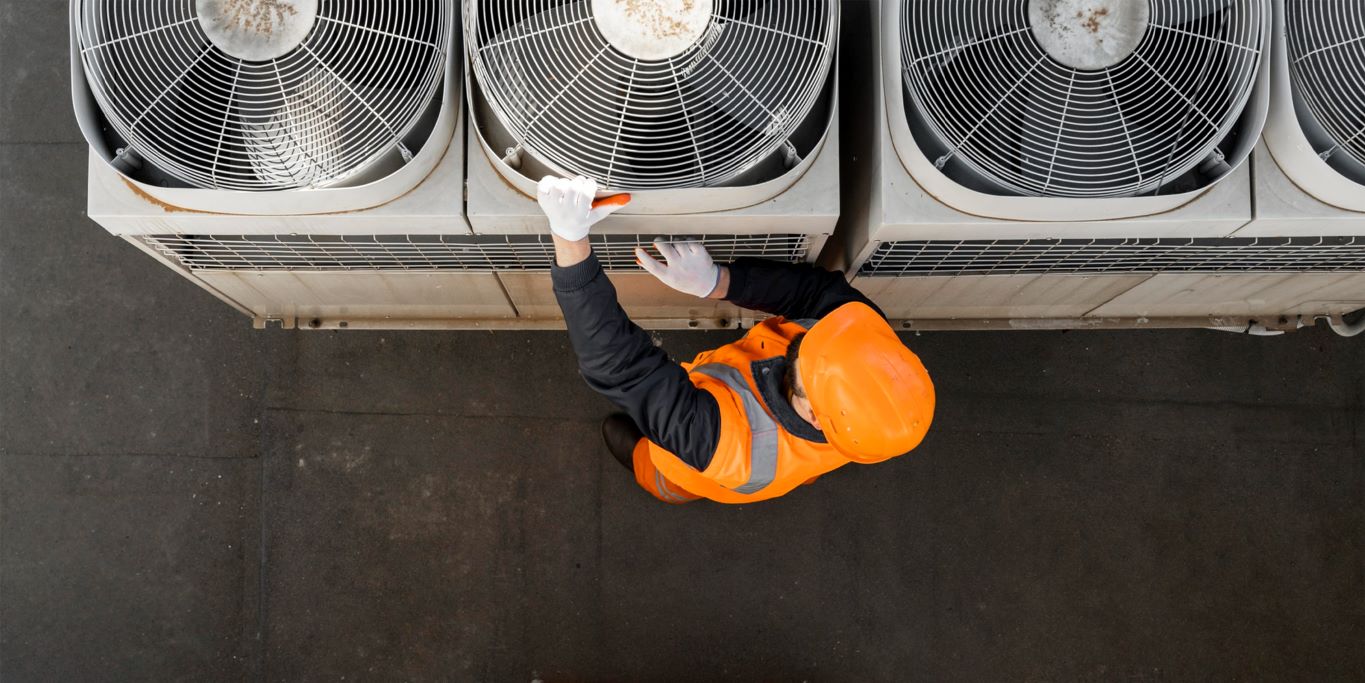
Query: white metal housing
(793, 226)
(210, 132)
(1301, 192)
(783, 205)
(1245, 109)
(398, 252)
(1186, 260)
(316, 256)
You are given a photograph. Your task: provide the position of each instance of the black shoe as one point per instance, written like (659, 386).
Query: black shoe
(620, 434)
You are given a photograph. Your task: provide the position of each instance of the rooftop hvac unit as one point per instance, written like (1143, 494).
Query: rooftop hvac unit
(718, 116)
(1074, 110)
(1316, 132)
(1078, 163)
(293, 157)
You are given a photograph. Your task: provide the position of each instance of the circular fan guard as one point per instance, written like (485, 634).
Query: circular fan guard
(699, 118)
(1326, 42)
(997, 99)
(327, 109)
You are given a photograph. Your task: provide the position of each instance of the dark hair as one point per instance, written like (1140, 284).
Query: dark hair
(789, 377)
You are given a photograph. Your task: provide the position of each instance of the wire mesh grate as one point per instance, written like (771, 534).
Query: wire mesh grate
(1080, 99)
(1326, 43)
(437, 252)
(264, 94)
(1017, 257)
(696, 116)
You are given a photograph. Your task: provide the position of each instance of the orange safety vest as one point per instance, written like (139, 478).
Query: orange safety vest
(755, 459)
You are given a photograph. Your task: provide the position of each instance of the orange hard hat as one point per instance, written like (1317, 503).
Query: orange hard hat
(872, 396)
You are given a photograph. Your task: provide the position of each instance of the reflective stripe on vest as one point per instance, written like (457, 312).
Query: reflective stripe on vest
(762, 428)
(661, 484)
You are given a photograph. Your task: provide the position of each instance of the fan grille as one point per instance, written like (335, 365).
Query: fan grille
(420, 253)
(1118, 256)
(1327, 54)
(700, 118)
(320, 113)
(1017, 117)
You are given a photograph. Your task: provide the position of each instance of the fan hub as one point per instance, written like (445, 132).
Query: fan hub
(257, 30)
(1089, 35)
(652, 30)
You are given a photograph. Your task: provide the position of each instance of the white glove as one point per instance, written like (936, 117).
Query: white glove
(570, 207)
(689, 270)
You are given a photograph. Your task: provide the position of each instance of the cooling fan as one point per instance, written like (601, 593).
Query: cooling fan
(1100, 102)
(659, 95)
(263, 96)
(1317, 125)
(719, 117)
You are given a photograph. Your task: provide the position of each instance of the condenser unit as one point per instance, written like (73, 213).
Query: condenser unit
(1315, 184)
(300, 159)
(1077, 163)
(719, 117)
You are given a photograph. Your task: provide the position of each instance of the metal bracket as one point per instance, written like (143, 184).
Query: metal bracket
(262, 323)
(789, 155)
(126, 160)
(1215, 164)
(512, 157)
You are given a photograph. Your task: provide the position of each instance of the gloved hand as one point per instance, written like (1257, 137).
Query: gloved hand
(570, 207)
(689, 270)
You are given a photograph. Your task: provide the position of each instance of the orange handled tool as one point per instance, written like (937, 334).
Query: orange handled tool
(616, 200)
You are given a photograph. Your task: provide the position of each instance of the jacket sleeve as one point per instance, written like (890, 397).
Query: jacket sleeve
(620, 361)
(793, 291)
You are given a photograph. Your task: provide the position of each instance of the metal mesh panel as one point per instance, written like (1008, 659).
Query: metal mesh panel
(1013, 257)
(436, 252)
(1326, 43)
(697, 117)
(264, 95)
(1061, 98)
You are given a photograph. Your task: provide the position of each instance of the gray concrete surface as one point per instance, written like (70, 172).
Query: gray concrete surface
(183, 498)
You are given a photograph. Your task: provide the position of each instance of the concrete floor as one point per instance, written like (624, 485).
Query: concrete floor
(184, 498)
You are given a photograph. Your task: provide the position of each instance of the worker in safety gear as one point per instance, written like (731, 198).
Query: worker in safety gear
(824, 383)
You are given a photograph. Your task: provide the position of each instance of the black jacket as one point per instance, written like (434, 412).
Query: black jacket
(619, 360)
